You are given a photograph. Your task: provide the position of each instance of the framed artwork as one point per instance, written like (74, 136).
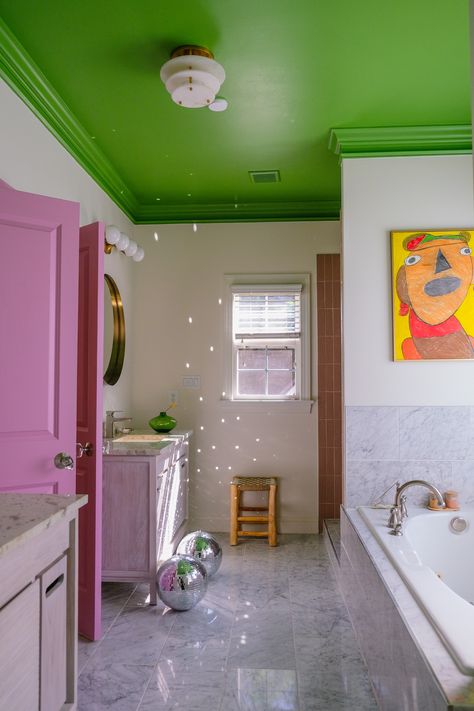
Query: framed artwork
(433, 298)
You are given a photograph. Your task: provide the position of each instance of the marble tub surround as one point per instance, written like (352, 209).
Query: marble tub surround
(272, 633)
(408, 663)
(386, 444)
(24, 516)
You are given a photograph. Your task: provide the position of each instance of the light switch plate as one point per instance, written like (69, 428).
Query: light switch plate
(192, 381)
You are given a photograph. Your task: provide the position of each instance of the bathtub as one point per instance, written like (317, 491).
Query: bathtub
(437, 565)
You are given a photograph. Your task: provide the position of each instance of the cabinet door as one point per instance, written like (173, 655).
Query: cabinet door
(54, 636)
(180, 490)
(126, 517)
(19, 651)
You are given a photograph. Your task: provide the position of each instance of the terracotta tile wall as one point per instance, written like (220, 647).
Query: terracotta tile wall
(329, 385)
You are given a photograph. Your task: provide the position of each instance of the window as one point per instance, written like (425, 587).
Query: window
(268, 335)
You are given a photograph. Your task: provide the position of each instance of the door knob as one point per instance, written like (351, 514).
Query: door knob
(86, 449)
(63, 461)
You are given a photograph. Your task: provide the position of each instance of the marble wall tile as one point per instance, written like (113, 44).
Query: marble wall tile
(367, 480)
(463, 480)
(372, 433)
(434, 432)
(435, 444)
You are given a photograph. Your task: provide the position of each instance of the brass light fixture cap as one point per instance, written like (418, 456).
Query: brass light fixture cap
(191, 49)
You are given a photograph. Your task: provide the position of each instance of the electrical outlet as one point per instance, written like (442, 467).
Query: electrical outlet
(174, 397)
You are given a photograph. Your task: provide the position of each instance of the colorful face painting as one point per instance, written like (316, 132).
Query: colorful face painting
(433, 302)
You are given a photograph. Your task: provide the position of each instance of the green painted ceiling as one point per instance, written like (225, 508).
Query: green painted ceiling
(295, 70)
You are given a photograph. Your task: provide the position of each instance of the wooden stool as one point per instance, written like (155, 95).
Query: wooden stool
(252, 483)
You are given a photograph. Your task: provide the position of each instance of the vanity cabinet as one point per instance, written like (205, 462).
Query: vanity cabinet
(144, 504)
(38, 602)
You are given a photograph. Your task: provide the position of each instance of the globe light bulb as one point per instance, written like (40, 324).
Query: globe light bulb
(131, 249)
(139, 254)
(123, 242)
(112, 234)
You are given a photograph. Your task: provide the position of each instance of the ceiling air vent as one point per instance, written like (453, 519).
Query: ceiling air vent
(264, 176)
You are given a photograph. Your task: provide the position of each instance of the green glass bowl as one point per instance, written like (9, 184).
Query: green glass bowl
(162, 423)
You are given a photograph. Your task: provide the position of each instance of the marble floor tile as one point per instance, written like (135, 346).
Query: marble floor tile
(263, 640)
(85, 650)
(137, 636)
(171, 688)
(261, 690)
(271, 634)
(333, 691)
(112, 686)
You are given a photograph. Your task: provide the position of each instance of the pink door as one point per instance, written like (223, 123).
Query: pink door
(89, 425)
(38, 342)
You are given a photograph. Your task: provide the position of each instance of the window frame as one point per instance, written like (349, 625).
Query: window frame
(301, 403)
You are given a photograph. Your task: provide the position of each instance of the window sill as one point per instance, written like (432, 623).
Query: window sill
(297, 407)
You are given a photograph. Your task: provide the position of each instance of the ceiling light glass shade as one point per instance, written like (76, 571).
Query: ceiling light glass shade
(112, 234)
(219, 104)
(131, 249)
(192, 80)
(139, 254)
(123, 242)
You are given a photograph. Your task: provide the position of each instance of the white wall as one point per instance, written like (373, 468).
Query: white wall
(380, 195)
(403, 420)
(182, 276)
(31, 159)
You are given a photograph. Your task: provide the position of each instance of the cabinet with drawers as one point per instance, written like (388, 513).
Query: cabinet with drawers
(144, 511)
(38, 602)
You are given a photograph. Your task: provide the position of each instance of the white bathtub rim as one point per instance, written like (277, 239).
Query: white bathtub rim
(451, 616)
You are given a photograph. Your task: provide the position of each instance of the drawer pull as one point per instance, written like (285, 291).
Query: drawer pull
(54, 585)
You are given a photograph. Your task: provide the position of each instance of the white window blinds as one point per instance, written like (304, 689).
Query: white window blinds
(266, 311)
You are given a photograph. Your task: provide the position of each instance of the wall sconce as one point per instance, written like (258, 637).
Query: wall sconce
(123, 243)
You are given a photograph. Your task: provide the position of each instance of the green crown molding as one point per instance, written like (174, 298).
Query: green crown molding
(243, 212)
(401, 141)
(26, 79)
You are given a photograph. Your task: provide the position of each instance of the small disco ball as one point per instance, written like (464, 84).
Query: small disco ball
(203, 547)
(181, 582)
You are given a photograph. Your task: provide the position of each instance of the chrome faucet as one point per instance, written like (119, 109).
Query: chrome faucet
(110, 421)
(398, 512)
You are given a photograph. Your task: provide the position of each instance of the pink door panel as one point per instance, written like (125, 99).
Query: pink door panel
(38, 336)
(89, 424)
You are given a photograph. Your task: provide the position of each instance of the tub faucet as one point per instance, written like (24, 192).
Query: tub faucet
(398, 512)
(110, 421)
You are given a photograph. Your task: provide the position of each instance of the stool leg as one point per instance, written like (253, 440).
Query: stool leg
(234, 513)
(272, 532)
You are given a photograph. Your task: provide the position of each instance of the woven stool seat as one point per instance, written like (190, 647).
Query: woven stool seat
(259, 482)
(241, 484)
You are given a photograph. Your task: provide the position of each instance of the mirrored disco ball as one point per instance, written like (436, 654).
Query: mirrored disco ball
(204, 547)
(181, 582)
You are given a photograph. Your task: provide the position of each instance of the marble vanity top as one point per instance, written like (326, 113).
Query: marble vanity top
(122, 446)
(24, 516)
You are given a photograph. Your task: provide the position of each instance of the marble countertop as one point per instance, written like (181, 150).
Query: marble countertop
(24, 516)
(119, 447)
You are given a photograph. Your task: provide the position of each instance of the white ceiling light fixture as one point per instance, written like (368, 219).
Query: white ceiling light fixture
(122, 243)
(192, 76)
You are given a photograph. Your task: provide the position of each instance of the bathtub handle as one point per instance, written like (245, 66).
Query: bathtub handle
(397, 531)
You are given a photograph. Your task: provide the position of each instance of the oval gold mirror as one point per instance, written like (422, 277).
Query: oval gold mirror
(114, 332)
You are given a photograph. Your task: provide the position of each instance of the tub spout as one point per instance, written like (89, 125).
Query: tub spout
(399, 511)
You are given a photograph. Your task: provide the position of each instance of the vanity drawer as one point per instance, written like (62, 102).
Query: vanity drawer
(23, 564)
